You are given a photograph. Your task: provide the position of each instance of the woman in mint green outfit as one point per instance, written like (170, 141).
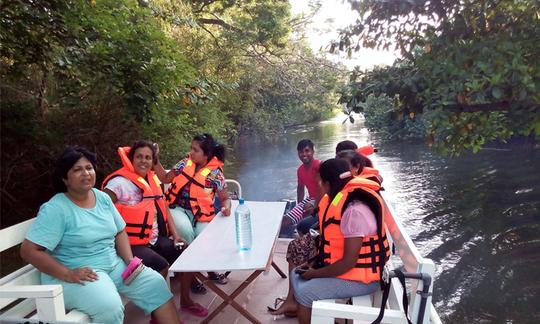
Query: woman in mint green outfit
(78, 241)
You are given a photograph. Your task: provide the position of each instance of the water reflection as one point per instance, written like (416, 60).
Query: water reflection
(476, 216)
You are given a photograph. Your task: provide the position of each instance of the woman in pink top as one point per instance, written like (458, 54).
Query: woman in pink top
(356, 220)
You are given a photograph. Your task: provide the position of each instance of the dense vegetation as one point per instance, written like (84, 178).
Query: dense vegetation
(470, 72)
(104, 73)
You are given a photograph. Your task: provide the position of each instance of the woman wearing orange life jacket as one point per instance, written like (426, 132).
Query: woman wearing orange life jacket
(351, 214)
(135, 190)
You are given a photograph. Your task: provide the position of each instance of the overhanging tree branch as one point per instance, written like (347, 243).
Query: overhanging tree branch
(216, 41)
(219, 22)
(204, 4)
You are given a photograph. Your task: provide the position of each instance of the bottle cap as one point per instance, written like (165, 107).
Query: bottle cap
(241, 201)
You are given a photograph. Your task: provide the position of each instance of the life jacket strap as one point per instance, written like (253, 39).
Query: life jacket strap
(138, 235)
(191, 180)
(162, 225)
(378, 260)
(171, 196)
(368, 243)
(373, 255)
(364, 265)
(143, 227)
(323, 240)
(198, 213)
(331, 221)
(386, 292)
(155, 197)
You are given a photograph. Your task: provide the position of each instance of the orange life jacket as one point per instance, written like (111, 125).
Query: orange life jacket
(366, 150)
(371, 174)
(139, 218)
(368, 172)
(201, 199)
(374, 251)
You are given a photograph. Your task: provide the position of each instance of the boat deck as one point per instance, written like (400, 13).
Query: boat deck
(255, 298)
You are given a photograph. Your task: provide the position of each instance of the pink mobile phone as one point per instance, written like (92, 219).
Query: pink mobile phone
(132, 270)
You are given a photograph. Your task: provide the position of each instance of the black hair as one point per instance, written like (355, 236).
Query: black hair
(345, 145)
(367, 161)
(330, 170)
(210, 147)
(67, 159)
(138, 145)
(303, 144)
(355, 159)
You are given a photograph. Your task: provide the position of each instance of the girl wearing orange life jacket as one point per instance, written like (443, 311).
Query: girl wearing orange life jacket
(369, 172)
(353, 243)
(195, 181)
(360, 165)
(135, 190)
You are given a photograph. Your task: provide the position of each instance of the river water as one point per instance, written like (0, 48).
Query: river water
(476, 216)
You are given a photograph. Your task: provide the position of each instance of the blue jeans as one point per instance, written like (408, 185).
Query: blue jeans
(308, 291)
(183, 220)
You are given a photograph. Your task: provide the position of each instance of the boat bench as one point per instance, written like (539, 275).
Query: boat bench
(22, 296)
(365, 309)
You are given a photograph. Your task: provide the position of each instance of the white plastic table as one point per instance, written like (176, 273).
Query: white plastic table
(215, 250)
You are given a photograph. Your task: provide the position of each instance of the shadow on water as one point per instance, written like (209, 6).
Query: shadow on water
(476, 216)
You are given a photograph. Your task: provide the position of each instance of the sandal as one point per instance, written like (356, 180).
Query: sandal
(277, 303)
(219, 278)
(198, 288)
(195, 309)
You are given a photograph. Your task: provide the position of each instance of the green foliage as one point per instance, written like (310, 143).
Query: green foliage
(471, 61)
(106, 73)
(377, 112)
(297, 89)
(382, 118)
(248, 23)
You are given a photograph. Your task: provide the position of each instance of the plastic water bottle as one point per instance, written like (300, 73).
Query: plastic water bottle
(242, 217)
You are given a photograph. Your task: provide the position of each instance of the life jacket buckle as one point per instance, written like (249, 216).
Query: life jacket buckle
(314, 233)
(387, 274)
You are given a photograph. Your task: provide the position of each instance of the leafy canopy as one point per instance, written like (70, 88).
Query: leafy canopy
(474, 64)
